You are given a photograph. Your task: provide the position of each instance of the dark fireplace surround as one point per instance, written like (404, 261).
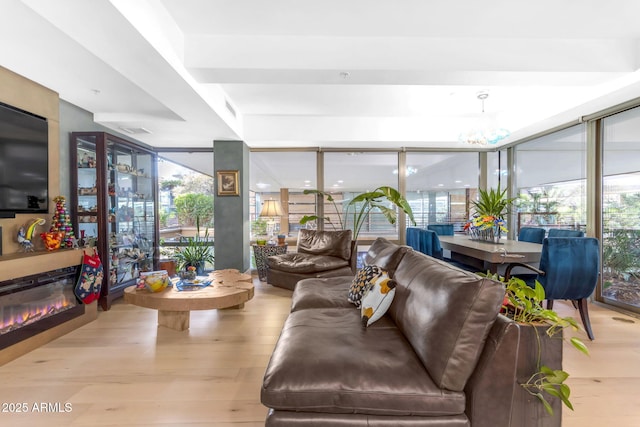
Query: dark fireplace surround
(33, 304)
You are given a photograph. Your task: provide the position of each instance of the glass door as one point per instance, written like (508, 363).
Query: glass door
(621, 210)
(131, 225)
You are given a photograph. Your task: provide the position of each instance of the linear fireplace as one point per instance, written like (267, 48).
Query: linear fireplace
(32, 304)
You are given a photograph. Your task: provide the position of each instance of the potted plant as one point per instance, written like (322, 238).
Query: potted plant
(196, 252)
(167, 259)
(361, 205)
(542, 391)
(488, 222)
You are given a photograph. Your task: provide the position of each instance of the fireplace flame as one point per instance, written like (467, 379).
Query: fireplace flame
(32, 313)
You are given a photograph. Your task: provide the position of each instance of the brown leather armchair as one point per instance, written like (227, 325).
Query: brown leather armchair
(319, 254)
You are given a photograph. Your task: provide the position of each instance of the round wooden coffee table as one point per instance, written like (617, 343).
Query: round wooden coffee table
(229, 289)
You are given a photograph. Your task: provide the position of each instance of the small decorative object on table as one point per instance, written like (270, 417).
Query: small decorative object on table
(61, 222)
(188, 274)
(52, 240)
(25, 234)
(198, 282)
(154, 281)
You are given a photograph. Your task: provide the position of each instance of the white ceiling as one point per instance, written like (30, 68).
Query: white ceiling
(332, 73)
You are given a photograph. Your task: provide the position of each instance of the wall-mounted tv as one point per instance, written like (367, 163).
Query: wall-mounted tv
(24, 162)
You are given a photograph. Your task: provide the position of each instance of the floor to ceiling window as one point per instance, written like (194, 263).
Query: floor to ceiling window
(621, 209)
(283, 177)
(497, 169)
(347, 174)
(439, 186)
(551, 181)
(185, 199)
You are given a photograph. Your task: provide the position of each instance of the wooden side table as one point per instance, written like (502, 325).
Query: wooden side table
(261, 253)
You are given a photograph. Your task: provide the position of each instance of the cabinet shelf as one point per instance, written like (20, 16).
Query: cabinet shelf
(109, 203)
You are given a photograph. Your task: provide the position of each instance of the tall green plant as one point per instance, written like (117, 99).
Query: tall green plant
(493, 202)
(361, 205)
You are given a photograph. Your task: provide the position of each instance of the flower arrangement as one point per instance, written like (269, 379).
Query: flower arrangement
(486, 228)
(488, 223)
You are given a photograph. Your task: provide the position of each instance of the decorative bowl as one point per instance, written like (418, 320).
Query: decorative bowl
(199, 282)
(52, 240)
(155, 281)
(187, 275)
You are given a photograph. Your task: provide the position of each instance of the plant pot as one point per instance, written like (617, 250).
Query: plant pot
(527, 409)
(169, 265)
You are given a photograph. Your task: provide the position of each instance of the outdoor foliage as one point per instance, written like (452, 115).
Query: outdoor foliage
(192, 206)
(621, 253)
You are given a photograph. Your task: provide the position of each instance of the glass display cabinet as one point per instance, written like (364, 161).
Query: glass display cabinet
(113, 202)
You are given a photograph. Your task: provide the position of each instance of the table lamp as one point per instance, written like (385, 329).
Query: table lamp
(271, 210)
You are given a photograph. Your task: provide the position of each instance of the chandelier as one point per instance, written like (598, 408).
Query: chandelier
(485, 133)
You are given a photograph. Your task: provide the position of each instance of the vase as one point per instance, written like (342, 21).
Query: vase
(490, 234)
(188, 275)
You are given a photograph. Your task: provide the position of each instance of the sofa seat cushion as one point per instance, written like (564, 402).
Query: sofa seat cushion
(305, 263)
(322, 293)
(315, 419)
(325, 361)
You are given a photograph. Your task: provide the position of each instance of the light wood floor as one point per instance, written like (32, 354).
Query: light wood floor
(122, 370)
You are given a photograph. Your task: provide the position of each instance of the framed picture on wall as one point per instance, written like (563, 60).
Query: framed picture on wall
(228, 183)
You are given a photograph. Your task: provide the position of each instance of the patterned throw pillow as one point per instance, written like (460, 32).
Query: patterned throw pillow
(377, 299)
(364, 278)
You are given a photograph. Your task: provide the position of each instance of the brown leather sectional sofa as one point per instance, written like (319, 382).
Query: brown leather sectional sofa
(441, 355)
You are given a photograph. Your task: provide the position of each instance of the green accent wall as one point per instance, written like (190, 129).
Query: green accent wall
(231, 213)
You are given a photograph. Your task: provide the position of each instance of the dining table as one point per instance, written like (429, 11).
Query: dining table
(488, 256)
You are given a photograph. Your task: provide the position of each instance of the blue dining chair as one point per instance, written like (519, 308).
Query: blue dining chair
(441, 229)
(564, 232)
(531, 234)
(569, 268)
(424, 241)
(413, 238)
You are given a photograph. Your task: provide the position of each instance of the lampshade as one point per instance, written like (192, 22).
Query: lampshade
(271, 208)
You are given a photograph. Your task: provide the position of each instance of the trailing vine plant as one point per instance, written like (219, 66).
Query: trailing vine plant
(523, 304)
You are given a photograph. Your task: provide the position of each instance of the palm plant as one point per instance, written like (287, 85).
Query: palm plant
(361, 205)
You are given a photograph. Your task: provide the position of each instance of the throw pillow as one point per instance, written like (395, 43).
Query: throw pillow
(364, 278)
(377, 299)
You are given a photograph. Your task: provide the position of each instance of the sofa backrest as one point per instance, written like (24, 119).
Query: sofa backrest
(385, 254)
(446, 314)
(329, 243)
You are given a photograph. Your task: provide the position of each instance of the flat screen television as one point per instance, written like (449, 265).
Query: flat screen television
(24, 162)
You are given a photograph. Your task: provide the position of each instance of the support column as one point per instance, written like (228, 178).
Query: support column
(231, 213)
(284, 219)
